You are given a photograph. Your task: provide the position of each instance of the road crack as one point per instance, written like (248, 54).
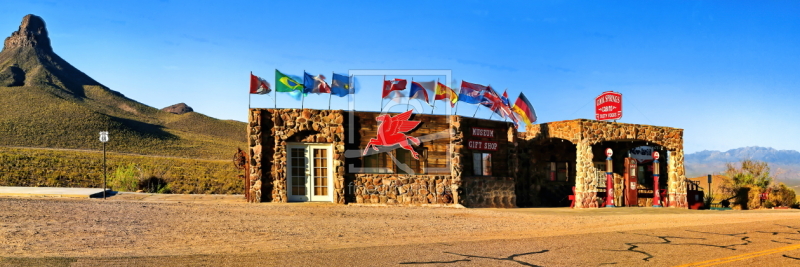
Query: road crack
(509, 258)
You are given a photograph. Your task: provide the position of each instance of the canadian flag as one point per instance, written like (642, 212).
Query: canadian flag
(259, 85)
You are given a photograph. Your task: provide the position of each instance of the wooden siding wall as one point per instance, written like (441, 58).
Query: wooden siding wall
(433, 132)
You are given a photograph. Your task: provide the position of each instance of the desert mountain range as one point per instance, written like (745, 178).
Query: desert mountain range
(47, 102)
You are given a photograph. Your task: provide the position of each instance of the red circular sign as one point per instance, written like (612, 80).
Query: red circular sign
(655, 155)
(609, 152)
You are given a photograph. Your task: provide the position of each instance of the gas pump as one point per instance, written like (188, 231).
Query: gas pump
(631, 192)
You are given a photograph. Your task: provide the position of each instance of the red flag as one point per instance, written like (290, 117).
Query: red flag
(393, 85)
(258, 85)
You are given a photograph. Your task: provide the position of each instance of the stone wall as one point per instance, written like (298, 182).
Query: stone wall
(456, 164)
(395, 189)
(586, 133)
(292, 125)
(489, 192)
(498, 190)
(255, 155)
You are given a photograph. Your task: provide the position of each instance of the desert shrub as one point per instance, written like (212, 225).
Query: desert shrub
(708, 199)
(782, 195)
(125, 178)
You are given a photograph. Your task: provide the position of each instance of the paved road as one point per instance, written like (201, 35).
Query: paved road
(775, 243)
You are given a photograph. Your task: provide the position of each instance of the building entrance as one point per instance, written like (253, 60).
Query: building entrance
(310, 176)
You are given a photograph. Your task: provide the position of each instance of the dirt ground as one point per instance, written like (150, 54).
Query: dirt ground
(147, 225)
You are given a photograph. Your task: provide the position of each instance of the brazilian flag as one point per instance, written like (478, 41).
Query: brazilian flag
(284, 83)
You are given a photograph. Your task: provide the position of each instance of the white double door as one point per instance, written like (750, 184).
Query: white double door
(310, 172)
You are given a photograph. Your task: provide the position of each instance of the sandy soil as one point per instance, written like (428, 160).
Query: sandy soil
(131, 225)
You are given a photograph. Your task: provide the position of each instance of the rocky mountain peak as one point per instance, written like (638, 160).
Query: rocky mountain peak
(179, 109)
(32, 33)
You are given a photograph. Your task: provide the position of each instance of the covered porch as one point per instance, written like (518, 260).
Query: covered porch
(564, 163)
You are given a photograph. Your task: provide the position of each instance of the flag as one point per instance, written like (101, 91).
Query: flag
(471, 93)
(285, 83)
(340, 85)
(396, 96)
(444, 92)
(419, 90)
(393, 85)
(506, 108)
(491, 100)
(524, 109)
(259, 85)
(315, 84)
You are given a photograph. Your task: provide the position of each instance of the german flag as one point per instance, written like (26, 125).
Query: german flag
(524, 109)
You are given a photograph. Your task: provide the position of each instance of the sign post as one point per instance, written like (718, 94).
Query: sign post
(609, 179)
(656, 193)
(104, 140)
(608, 106)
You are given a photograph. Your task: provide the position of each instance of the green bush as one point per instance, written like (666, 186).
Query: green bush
(125, 179)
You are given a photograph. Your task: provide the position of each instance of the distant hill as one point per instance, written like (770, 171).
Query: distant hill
(46, 102)
(784, 164)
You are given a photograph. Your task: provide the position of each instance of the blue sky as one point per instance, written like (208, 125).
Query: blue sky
(724, 71)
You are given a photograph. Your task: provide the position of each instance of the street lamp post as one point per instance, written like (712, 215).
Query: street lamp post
(104, 140)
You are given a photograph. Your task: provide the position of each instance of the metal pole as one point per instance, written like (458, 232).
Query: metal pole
(104, 170)
(330, 94)
(248, 93)
(408, 102)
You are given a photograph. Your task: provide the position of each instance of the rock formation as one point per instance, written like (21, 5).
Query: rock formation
(32, 33)
(179, 109)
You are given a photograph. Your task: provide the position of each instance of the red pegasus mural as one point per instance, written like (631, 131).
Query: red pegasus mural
(390, 132)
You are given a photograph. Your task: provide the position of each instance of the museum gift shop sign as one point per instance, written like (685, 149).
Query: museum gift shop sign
(479, 144)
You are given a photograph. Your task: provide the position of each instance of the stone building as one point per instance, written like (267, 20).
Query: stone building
(325, 155)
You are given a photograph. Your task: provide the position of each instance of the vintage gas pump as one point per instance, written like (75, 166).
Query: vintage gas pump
(656, 193)
(609, 179)
(552, 171)
(631, 183)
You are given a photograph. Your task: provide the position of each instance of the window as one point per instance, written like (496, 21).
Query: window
(384, 162)
(377, 163)
(408, 164)
(482, 164)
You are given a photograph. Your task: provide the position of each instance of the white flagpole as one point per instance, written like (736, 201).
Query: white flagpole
(383, 87)
(408, 101)
(248, 92)
(330, 94)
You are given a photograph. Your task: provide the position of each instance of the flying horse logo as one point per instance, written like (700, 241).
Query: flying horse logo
(390, 132)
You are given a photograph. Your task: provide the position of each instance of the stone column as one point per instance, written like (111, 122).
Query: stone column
(456, 165)
(585, 191)
(677, 180)
(254, 153)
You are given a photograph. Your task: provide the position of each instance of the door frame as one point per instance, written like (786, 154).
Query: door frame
(309, 147)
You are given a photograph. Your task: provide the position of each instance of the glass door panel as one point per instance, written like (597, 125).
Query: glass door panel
(320, 172)
(298, 171)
